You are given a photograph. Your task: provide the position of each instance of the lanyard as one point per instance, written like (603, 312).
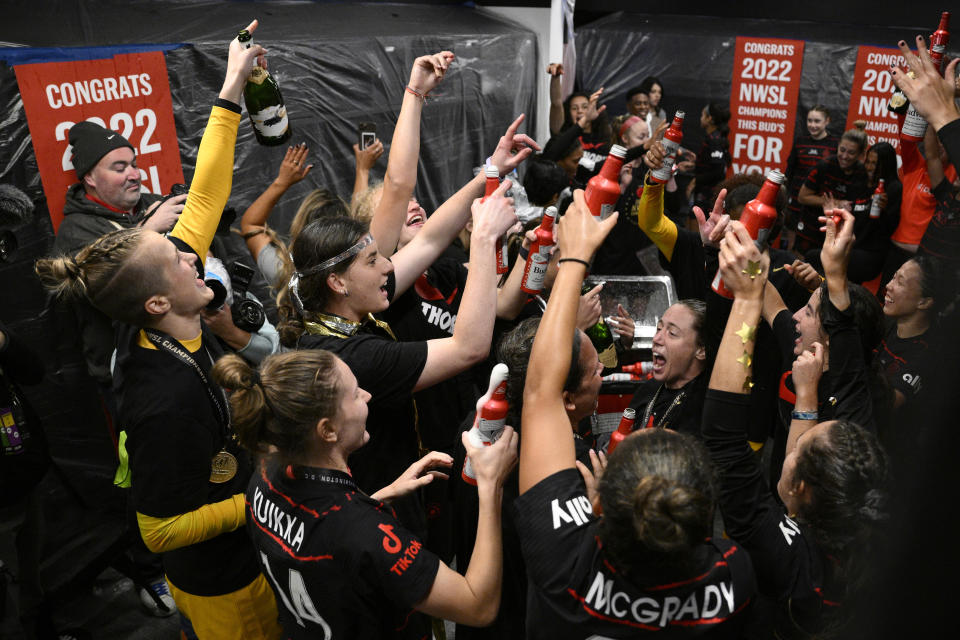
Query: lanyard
(171, 346)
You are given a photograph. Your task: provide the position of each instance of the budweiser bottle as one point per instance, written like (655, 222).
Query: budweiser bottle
(642, 368)
(875, 208)
(264, 102)
(490, 419)
(758, 217)
(671, 145)
(536, 267)
(603, 189)
(624, 429)
(492, 184)
(914, 126)
(602, 338)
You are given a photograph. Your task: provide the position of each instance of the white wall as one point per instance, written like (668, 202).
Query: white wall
(548, 49)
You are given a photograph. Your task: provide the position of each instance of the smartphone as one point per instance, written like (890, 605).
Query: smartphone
(367, 132)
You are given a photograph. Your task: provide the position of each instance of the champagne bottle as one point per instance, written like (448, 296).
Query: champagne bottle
(758, 216)
(268, 115)
(490, 419)
(603, 189)
(536, 267)
(671, 145)
(602, 338)
(914, 125)
(624, 429)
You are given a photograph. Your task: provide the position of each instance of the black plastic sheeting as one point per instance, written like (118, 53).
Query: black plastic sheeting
(693, 57)
(337, 65)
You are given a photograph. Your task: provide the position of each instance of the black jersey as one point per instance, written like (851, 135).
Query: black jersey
(942, 237)
(576, 593)
(828, 178)
(788, 566)
(904, 361)
(711, 167)
(339, 562)
(804, 156)
(677, 409)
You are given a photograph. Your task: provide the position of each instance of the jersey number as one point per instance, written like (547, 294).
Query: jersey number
(298, 603)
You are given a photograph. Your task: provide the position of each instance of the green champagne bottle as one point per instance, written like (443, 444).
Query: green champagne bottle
(268, 115)
(602, 338)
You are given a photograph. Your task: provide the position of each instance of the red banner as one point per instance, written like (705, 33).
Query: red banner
(128, 93)
(872, 86)
(763, 102)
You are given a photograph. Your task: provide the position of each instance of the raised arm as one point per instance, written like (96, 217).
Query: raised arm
(365, 159)
(473, 330)
(835, 256)
(547, 438)
(649, 208)
(447, 221)
(930, 92)
(931, 147)
(401, 176)
(556, 97)
(807, 370)
(293, 169)
(213, 178)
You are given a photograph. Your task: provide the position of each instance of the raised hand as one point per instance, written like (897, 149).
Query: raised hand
(743, 268)
(807, 369)
(368, 157)
(293, 168)
(428, 71)
(240, 60)
(712, 228)
(623, 325)
(592, 112)
(163, 215)
(579, 233)
(513, 148)
(835, 254)
(495, 215)
(419, 474)
(653, 158)
(589, 310)
(555, 69)
(492, 464)
(930, 92)
(804, 273)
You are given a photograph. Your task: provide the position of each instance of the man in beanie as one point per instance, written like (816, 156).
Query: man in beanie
(108, 195)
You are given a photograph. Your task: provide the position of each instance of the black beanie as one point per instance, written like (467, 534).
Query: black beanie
(90, 143)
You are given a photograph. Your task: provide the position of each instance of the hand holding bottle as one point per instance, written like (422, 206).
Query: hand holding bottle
(492, 464)
(494, 215)
(579, 233)
(513, 148)
(743, 268)
(428, 71)
(240, 59)
(931, 93)
(368, 157)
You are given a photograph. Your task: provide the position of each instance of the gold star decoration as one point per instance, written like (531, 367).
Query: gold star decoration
(747, 384)
(753, 269)
(746, 332)
(745, 359)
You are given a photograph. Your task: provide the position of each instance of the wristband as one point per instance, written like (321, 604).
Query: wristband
(524, 252)
(804, 415)
(422, 96)
(583, 262)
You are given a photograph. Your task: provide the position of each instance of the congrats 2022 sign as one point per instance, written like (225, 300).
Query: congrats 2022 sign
(763, 102)
(128, 93)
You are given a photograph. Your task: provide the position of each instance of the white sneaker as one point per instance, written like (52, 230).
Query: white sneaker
(162, 605)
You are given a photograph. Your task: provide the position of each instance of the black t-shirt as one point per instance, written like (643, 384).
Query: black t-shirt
(683, 416)
(595, 145)
(711, 167)
(788, 566)
(904, 361)
(427, 311)
(873, 234)
(173, 435)
(804, 156)
(576, 593)
(340, 563)
(942, 237)
(828, 178)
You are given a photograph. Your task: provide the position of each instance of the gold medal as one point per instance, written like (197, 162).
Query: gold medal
(223, 467)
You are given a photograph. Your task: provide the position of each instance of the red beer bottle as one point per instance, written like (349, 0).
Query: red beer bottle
(490, 419)
(640, 368)
(536, 267)
(624, 429)
(492, 184)
(875, 205)
(671, 145)
(914, 125)
(758, 217)
(603, 189)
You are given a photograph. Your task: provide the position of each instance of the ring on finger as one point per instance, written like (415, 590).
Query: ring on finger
(912, 74)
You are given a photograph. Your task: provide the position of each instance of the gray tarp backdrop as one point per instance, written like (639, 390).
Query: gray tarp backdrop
(337, 65)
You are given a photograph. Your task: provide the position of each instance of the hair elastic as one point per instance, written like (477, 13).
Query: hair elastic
(583, 262)
(629, 122)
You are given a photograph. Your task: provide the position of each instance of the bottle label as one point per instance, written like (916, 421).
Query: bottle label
(608, 357)
(491, 430)
(503, 264)
(875, 206)
(10, 438)
(536, 271)
(914, 126)
(606, 210)
(271, 122)
(670, 149)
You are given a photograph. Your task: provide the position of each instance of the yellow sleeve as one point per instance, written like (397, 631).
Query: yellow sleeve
(211, 184)
(658, 227)
(209, 521)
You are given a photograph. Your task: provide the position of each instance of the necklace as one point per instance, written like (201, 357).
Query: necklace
(666, 414)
